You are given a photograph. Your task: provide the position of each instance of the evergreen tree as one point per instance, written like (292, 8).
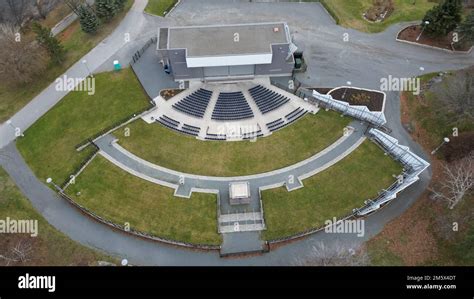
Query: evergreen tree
(88, 19)
(120, 4)
(466, 29)
(52, 45)
(106, 9)
(443, 18)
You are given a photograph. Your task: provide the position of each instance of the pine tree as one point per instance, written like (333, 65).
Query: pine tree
(106, 9)
(120, 4)
(52, 45)
(443, 18)
(88, 19)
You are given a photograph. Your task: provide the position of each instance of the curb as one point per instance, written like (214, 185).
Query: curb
(167, 13)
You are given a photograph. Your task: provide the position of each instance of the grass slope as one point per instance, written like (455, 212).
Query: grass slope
(120, 197)
(50, 247)
(331, 193)
(49, 145)
(159, 7)
(349, 13)
(76, 42)
(297, 142)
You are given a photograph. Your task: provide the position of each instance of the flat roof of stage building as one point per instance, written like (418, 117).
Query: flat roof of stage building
(220, 40)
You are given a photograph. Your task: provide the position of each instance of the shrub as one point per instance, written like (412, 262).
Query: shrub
(443, 18)
(50, 43)
(459, 147)
(360, 99)
(88, 19)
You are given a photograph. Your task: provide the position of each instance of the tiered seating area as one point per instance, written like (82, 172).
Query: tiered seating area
(174, 125)
(190, 130)
(266, 99)
(168, 122)
(216, 137)
(231, 106)
(276, 124)
(195, 104)
(252, 135)
(295, 115)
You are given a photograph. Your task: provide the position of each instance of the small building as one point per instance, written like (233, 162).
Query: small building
(239, 193)
(227, 52)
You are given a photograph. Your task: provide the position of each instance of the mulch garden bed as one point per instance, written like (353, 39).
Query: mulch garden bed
(411, 33)
(372, 99)
(169, 93)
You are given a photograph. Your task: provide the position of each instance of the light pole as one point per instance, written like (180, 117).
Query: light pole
(426, 23)
(345, 90)
(445, 140)
(9, 122)
(89, 73)
(50, 181)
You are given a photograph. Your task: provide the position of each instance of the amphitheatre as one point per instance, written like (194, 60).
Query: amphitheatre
(221, 140)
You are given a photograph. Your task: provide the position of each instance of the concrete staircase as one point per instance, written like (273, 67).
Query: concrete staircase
(241, 222)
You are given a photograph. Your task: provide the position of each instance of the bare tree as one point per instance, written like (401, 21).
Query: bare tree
(20, 59)
(20, 253)
(18, 10)
(458, 182)
(455, 96)
(44, 7)
(336, 254)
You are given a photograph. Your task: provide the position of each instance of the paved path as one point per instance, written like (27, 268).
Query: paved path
(132, 24)
(363, 60)
(167, 177)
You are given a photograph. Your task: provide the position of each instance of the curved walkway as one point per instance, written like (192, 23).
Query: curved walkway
(154, 173)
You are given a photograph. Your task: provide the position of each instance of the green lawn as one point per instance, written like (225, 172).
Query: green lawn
(331, 193)
(76, 42)
(50, 247)
(159, 7)
(49, 145)
(349, 13)
(295, 143)
(120, 197)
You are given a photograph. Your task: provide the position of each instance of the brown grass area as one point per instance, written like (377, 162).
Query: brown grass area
(410, 236)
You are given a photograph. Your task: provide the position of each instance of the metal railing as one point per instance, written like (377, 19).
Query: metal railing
(140, 52)
(362, 113)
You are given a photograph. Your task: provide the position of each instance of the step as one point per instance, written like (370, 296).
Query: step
(233, 228)
(240, 217)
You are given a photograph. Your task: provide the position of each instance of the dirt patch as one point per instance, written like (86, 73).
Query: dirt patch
(372, 99)
(411, 33)
(380, 10)
(410, 237)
